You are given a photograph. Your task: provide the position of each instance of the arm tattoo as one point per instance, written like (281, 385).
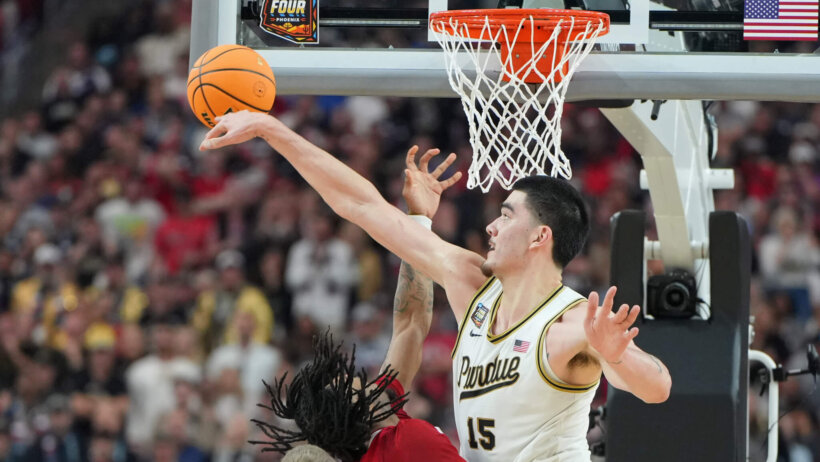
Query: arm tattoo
(657, 363)
(414, 291)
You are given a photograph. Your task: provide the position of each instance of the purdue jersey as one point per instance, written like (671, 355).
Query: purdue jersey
(509, 405)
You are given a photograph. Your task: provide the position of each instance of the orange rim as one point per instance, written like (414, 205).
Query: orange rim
(544, 20)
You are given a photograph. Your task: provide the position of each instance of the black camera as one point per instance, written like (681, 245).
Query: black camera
(672, 295)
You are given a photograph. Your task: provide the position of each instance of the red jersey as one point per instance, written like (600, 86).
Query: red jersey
(410, 440)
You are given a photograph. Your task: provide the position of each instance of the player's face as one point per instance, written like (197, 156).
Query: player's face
(509, 235)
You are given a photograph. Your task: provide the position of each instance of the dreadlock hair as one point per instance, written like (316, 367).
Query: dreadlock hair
(328, 411)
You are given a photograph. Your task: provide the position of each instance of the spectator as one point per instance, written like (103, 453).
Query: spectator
(184, 239)
(321, 273)
(272, 269)
(107, 440)
(34, 141)
(150, 384)
(369, 261)
(788, 261)
(218, 311)
(233, 446)
(59, 443)
(255, 360)
(370, 336)
(102, 378)
(42, 298)
(131, 222)
(158, 50)
(128, 300)
(80, 78)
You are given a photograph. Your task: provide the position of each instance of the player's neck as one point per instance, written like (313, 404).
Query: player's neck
(388, 422)
(523, 291)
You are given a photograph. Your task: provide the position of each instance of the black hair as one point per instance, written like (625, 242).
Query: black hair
(556, 203)
(328, 411)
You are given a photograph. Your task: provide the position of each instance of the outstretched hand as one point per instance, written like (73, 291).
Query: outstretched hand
(234, 128)
(422, 189)
(609, 333)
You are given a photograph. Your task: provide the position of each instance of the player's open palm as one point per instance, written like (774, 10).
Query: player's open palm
(422, 188)
(609, 332)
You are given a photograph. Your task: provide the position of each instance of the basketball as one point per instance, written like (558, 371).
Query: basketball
(230, 78)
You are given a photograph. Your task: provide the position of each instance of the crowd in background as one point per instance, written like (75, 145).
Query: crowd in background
(147, 288)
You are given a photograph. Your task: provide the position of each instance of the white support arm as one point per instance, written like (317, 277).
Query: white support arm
(774, 397)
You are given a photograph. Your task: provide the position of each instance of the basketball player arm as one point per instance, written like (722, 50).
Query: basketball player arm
(625, 366)
(639, 373)
(354, 198)
(413, 303)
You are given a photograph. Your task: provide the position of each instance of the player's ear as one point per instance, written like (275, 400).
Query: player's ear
(542, 235)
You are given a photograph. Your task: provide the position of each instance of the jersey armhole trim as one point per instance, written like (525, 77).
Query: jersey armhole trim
(560, 386)
(479, 293)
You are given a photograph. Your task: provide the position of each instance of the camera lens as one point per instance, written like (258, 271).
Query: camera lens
(675, 297)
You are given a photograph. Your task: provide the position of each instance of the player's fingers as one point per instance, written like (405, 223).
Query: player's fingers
(621, 314)
(592, 308)
(215, 137)
(425, 159)
(609, 298)
(444, 165)
(631, 334)
(633, 315)
(450, 181)
(219, 129)
(410, 160)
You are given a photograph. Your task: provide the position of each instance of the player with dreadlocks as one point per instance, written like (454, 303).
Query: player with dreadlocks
(349, 415)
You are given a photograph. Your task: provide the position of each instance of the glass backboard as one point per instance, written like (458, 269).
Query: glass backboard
(678, 49)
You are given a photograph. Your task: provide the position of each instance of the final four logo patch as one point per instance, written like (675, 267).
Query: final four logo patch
(293, 20)
(479, 315)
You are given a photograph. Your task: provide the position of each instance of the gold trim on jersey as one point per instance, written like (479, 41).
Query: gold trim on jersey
(565, 387)
(497, 338)
(479, 293)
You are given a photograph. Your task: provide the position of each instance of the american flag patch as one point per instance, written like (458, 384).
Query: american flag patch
(780, 20)
(521, 346)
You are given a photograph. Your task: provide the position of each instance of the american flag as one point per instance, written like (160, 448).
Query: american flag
(780, 20)
(521, 346)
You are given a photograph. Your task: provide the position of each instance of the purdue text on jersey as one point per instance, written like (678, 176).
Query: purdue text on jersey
(483, 378)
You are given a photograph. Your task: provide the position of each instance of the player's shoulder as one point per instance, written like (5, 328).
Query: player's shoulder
(574, 305)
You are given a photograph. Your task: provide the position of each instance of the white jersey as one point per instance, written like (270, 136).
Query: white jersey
(509, 405)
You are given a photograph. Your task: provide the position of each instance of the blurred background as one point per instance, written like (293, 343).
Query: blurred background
(147, 288)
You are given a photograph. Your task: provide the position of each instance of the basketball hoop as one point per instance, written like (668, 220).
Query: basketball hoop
(515, 111)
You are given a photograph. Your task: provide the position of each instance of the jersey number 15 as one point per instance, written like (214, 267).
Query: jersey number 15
(487, 440)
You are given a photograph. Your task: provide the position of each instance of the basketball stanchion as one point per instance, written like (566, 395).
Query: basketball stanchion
(514, 110)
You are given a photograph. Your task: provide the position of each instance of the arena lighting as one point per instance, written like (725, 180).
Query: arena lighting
(672, 295)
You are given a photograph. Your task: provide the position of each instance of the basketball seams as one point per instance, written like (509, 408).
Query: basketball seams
(232, 96)
(245, 77)
(236, 47)
(205, 98)
(233, 69)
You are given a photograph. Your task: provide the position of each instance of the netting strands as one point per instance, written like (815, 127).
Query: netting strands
(515, 112)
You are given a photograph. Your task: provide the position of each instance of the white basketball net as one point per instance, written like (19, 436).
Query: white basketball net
(515, 127)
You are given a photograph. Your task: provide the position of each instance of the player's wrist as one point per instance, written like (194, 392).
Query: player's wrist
(423, 220)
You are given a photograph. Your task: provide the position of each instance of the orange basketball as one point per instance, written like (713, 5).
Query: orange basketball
(230, 78)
